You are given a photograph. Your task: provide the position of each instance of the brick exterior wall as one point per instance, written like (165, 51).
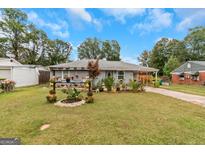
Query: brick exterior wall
(188, 79)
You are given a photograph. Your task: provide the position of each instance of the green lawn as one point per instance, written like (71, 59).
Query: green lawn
(190, 89)
(125, 118)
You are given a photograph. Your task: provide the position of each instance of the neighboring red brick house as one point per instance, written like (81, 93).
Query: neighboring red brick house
(191, 72)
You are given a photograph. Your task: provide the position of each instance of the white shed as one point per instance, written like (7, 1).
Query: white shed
(23, 75)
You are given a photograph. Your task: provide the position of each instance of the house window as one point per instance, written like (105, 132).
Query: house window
(109, 74)
(195, 76)
(120, 75)
(181, 76)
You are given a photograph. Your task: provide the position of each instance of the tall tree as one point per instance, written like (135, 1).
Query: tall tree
(144, 58)
(90, 49)
(195, 43)
(164, 49)
(12, 29)
(36, 47)
(59, 51)
(115, 54)
(111, 50)
(171, 64)
(159, 55)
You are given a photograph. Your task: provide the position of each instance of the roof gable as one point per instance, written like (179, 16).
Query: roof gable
(9, 62)
(191, 66)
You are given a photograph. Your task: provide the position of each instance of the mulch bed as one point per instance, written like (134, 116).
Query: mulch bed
(71, 100)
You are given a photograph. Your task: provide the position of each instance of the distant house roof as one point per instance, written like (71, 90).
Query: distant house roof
(104, 65)
(9, 62)
(191, 67)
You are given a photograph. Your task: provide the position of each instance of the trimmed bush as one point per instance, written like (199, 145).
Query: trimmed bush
(109, 82)
(157, 84)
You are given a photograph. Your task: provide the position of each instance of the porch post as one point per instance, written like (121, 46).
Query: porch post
(156, 76)
(62, 75)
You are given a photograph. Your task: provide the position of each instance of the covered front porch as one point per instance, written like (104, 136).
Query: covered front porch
(145, 77)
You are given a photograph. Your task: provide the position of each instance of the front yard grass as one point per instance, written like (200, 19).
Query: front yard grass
(190, 89)
(124, 118)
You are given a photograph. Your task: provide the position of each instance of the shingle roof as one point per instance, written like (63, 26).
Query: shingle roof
(105, 65)
(195, 66)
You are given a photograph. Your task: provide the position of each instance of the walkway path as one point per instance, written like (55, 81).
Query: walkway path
(200, 100)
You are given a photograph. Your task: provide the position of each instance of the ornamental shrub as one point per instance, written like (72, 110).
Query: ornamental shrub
(109, 81)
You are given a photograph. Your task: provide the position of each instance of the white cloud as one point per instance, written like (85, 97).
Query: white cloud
(190, 18)
(156, 20)
(84, 15)
(58, 29)
(121, 14)
(81, 13)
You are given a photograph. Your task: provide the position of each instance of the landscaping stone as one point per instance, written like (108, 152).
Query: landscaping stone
(59, 103)
(45, 126)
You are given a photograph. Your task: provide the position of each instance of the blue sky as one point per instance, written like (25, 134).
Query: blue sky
(135, 29)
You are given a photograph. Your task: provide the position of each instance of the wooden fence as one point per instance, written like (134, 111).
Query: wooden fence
(44, 77)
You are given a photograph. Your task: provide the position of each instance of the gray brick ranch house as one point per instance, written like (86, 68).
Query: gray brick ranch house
(77, 70)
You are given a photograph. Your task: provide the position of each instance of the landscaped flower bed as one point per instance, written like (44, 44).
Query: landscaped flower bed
(74, 98)
(110, 85)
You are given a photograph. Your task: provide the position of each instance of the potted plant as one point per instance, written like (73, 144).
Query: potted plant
(51, 98)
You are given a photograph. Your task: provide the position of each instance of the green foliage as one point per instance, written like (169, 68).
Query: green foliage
(172, 64)
(163, 50)
(27, 43)
(144, 58)
(195, 43)
(38, 48)
(92, 48)
(72, 93)
(157, 84)
(109, 82)
(13, 28)
(134, 85)
(58, 51)
(111, 49)
(191, 48)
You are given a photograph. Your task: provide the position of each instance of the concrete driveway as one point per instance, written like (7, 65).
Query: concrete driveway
(195, 99)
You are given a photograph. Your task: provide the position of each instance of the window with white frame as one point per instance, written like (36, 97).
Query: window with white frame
(121, 75)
